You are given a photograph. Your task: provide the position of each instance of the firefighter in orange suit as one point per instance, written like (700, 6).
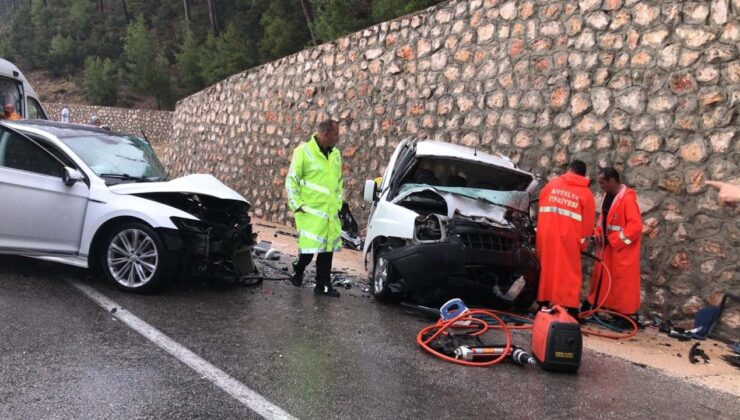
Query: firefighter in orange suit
(566, 220)
(618, 234)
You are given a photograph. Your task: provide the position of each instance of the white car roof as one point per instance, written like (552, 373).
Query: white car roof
(9, 70)
(448, 150)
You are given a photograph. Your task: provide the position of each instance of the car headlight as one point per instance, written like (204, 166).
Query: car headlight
(429, 228)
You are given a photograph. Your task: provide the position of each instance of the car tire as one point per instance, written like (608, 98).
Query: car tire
(135, 259)
(382, 276)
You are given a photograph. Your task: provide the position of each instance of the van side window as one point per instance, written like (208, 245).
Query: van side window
(34, 110)
(18, 152)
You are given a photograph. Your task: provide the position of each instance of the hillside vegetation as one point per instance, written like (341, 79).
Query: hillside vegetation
(115, 50)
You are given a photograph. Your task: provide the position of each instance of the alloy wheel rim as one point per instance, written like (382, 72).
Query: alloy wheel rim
(132, 258)
(381, 274)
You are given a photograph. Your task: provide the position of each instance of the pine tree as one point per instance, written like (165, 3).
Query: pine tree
(100, 81)
(285, 29)
(62, 55)
(335, 18)
(188, 64)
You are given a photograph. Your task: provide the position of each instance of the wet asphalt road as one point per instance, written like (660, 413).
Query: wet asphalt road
(62, 356)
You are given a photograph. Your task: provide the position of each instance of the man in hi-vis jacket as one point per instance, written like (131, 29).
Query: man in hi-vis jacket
(315, 195)
(618, 233)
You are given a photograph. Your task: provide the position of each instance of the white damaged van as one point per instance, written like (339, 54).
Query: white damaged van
(15, 89)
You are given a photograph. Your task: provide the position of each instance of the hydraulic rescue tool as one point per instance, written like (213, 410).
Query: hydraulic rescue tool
(556, 340)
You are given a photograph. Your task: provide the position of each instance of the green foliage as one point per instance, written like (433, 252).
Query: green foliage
(139, 54)
(59, 35)
(100, 81)
(335, 18)
(188, 64)
(62, 55)
(146, 70)
(285, 29)
(388, 9)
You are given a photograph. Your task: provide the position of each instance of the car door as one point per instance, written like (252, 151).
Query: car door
(39, 214)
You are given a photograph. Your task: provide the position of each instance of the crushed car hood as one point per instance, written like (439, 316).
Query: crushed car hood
(201, 184)
(494, 206)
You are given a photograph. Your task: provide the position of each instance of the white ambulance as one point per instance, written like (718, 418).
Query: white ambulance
(15, 89)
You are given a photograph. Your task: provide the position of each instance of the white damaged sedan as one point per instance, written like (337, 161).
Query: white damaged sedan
(94, 198)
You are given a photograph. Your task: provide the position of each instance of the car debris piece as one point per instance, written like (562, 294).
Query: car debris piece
(272, 254)
(732, 359)
(696, 351)
(263, 246)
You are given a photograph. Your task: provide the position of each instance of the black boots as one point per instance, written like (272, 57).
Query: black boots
(297, 279)
(327, 290)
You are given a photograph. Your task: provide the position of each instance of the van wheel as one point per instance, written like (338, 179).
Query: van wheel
(135, 259)
(383, 276)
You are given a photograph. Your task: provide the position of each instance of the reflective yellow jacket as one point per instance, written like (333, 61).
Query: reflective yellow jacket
(315, 184)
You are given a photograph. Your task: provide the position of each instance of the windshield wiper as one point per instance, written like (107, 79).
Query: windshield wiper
(127, 177)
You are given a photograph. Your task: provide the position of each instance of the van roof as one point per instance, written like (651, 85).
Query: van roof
(9, 70)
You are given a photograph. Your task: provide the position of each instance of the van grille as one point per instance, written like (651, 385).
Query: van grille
(487, 242)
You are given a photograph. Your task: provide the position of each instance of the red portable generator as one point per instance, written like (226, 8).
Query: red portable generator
(556, 340)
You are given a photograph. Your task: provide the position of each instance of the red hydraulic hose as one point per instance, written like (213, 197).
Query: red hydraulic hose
(442, 326)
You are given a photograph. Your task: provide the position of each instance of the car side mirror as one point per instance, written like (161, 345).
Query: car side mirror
(370, 194)
(71, 176)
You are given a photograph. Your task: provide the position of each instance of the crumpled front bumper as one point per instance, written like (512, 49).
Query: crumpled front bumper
(434, 269)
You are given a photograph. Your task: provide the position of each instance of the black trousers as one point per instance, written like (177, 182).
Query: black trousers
(323, 266)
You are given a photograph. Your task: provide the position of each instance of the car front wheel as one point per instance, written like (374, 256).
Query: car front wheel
(135, 258)
(383, 276)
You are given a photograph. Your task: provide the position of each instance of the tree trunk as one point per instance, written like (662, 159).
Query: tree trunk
(308, 13)
(101, 6)
(213, 15)
(125, 12)
(186, 6)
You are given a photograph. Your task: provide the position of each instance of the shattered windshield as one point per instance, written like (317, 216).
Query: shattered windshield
(514, 199)
(117, 156)
(465, 174)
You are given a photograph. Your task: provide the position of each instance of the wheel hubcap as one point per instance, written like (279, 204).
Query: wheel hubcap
(132, 258)
(381, 274)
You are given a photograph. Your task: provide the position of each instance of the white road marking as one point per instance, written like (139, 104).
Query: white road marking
(221, 379)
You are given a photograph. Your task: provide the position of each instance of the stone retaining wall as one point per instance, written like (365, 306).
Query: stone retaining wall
(156, 124)
(651, 87)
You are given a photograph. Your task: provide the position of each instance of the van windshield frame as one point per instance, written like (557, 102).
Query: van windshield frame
(6, 85)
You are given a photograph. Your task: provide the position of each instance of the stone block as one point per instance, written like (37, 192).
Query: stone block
(644, 14)
(694, 36)
(711, 96)
(508, 11)
(579, 104)
(731, 33)
(666, 161)
(485, 33)
(654, 38)
(682, 83)
(662, 103)
(631, 100)
(694, 151)
(559, 97)
(720, 53)
(620, 20)
(590, 124)
(719, 12)
(707, 74)
(668, 57)
(694, 179)
(721, 141)
(695, 13)
(611, 41)
(598, 20)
